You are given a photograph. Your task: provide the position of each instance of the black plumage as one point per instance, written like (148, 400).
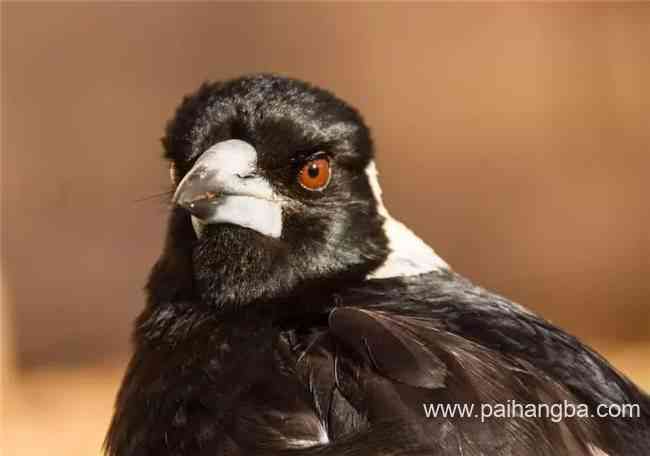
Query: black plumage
(254, 345)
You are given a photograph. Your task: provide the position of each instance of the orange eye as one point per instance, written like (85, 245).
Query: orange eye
(315, 174)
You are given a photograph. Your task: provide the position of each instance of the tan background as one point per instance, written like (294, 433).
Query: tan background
(513, 138)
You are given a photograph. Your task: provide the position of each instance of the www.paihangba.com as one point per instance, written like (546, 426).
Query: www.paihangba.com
(555, 412)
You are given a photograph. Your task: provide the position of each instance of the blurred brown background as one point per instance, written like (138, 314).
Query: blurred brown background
(513, 138)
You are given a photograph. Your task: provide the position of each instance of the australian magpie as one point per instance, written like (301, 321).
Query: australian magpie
(290, 314)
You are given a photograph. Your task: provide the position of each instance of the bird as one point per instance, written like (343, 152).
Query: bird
(290, 314)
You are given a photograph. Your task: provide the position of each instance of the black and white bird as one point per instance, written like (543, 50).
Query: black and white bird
(290, 314)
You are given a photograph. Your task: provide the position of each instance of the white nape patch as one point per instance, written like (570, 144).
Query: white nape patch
(409, 255)
(244, 198)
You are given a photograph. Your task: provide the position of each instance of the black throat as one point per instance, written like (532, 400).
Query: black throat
(240, 268)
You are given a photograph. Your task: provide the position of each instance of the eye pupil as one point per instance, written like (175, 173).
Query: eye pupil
(313, 170)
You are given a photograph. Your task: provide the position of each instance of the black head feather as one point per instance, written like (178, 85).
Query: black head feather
(332, 235)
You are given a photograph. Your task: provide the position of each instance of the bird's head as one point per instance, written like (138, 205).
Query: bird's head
(274, 192)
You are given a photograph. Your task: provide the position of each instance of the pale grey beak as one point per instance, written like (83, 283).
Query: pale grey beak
(223, 187)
